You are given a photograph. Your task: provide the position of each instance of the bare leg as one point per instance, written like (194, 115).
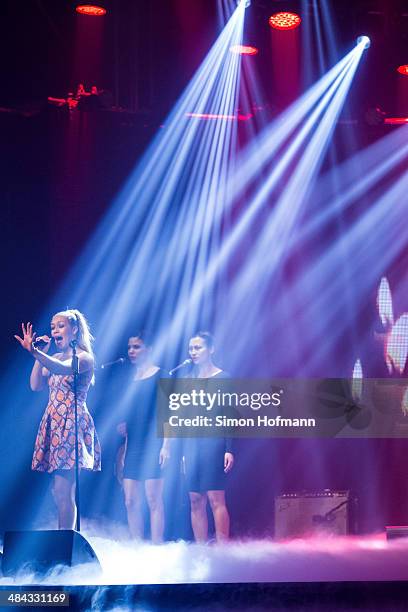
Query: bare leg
(133, 500)
(199, 519)
(63, 491)
(154, 496)
(221, 516)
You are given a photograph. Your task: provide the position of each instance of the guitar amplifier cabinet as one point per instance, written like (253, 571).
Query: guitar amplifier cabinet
(300, 515)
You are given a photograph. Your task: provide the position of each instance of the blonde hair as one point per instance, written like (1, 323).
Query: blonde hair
(84, 337)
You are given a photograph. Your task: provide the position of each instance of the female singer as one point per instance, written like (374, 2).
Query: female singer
(145, 453)
(54, 449)
(207, 460)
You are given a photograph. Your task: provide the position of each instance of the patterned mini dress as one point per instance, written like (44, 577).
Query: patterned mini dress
(54, 447)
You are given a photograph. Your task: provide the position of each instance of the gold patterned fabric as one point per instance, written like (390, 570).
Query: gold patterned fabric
(54, 447)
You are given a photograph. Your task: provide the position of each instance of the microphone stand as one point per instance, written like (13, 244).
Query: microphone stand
(75, 371)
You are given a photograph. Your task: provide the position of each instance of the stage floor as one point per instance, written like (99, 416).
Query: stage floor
(318, 559)
(313, 574)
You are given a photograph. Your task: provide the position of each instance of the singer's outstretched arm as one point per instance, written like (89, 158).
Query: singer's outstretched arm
(56, 366)
(52, 364)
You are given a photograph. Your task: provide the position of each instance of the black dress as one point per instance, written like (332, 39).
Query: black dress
(204, 460)
(143, 441)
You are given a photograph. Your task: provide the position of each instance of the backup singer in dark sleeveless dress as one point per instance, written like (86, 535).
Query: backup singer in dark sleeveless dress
(54, 450)
(146, 454)
(207, 460)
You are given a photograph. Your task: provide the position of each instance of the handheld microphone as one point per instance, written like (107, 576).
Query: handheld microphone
(39, 342)
(185, 363)
(120, 360)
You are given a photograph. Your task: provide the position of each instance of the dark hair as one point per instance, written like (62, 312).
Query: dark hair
(206, 336)
(143, 335)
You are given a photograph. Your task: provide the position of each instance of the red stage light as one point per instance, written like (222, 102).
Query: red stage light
(91, 9)
(396, 120)
(284, 21)
(403, 69)
(244, 50)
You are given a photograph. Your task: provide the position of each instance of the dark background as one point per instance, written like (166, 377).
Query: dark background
(60, 171)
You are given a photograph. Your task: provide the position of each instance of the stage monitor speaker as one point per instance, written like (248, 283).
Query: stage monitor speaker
(306, 514)
(396, 531)
(40, 551)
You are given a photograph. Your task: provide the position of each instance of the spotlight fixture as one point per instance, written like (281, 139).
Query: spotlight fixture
(92, 10)
(246, 2)
(403, 69)
(244, 50)
(284, 21)
(364, 40)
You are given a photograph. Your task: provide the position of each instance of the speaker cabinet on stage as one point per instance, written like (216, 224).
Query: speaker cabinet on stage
(307, 514)
(393, 532)
(40, 551)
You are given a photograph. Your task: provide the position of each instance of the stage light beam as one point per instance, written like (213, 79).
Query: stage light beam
(364, 41)
(332, 90)
(244, 50)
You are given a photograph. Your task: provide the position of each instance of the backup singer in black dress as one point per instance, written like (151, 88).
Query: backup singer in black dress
(146, 454)
(207, 460)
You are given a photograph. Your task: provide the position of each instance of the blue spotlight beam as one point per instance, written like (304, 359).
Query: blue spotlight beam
(265, 261)
(319, 37)
(139, 189)
(329, 29)
(260, 153)
(232, 241)
(361, 178)
(156, 183)
(374, 241)
(320, 284)
(279, 135)
(205, 161)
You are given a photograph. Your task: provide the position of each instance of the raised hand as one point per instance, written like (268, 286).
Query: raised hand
(28, 336)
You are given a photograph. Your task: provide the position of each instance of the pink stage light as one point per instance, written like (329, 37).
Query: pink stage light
(284, 21)
(396, 120)
(244, 50)
(403, 69)
(91, 9)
